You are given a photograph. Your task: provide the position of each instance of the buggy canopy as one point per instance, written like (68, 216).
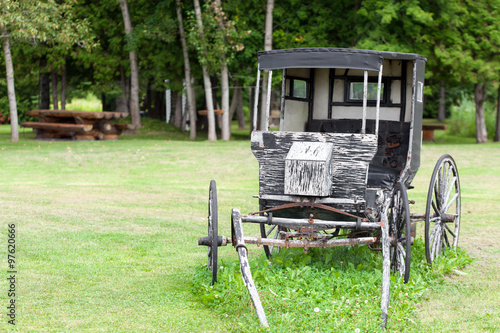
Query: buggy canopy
(329, 58)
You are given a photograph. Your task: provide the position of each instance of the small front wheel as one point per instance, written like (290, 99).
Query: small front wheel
(212, 230)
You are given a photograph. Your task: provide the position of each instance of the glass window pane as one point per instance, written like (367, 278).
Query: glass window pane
(356, 91)
(299, 89)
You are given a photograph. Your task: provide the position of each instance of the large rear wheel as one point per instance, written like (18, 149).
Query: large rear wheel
(442, 212)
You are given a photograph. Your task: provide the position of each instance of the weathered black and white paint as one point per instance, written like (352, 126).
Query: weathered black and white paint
(351, 155)
(308, 169)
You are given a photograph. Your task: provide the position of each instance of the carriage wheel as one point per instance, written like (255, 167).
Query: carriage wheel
(442, 209)
(400, 232)
(272, 232)
(212, 230)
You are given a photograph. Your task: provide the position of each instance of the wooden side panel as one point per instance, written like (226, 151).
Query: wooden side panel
(350, 158)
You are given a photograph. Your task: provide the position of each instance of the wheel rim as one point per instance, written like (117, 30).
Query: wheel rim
(400, 232)
(212, 230)
(443, 203)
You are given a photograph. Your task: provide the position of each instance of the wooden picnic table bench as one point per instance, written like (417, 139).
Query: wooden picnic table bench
(76, 125)
(428, 131)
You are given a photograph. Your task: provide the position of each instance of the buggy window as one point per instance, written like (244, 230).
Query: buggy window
(356, 91)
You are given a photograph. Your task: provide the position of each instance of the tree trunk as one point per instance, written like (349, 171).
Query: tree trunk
(479, 98)
(159, 104)
(226, 120)
(187, 75)
(240, 114)
(63, 87)
(268, 45)
(103, 101)
(237, 106)
(442, 105)
(497, 131)
(134, 70)
(212, 136)
(44, 86)
(11, 92)
(234, 102)
(122, 102)
(55, 102)
(178, 110)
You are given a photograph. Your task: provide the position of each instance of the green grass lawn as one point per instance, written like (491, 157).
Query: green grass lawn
(107, 232)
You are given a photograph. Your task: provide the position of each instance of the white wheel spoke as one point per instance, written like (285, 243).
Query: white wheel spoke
(450, 202)
(450, 188)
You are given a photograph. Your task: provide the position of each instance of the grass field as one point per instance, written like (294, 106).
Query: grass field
(107, 232)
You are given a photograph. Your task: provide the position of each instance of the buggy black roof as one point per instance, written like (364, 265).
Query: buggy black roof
(329, 58)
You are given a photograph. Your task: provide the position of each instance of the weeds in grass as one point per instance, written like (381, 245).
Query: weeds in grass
(89, 103)
(324, 290)
(463, 119)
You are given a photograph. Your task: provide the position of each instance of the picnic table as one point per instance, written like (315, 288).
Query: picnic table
(76, 125)
(428, 131)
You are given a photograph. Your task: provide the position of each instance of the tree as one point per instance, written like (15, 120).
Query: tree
(471, 48)
(268, 45)
(28, 20)
(206, 78)
(226, 121)
(134, 70)
(187, 71)
(14, 123)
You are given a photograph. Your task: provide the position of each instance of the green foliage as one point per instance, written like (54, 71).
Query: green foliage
(462, 119)
(219, 41)
(324, 290)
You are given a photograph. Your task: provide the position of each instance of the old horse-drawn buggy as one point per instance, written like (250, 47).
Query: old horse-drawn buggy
(338, 170)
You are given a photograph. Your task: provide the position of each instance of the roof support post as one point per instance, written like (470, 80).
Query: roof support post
(268, 100)
(377, 116)
(365, 97)
(282, 108)
(256, 100)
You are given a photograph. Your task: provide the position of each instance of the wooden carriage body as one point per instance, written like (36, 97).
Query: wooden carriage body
(350, 125)
(336, 173)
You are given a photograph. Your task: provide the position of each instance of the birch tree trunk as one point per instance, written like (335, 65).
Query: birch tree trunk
(268, 45)
(479, 98)
(11, 92)
(191, 104)
(212, 136)
(226, 120)
(134, 70)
